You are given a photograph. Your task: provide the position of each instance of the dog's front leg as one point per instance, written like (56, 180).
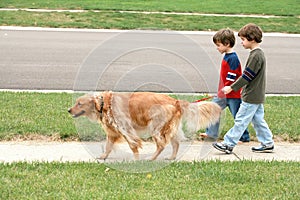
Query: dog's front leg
(108, 148)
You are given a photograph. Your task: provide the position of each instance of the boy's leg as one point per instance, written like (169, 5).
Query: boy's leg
(246, 136)
(263, 132)
(242, 119)
(234, 105)
(213, 130)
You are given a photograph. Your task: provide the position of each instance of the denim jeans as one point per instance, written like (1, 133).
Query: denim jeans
(249, 113)
(233, 105)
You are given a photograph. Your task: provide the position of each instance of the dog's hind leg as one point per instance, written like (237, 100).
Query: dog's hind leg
(135, 151)
(159, 147)
(134, 144)
(175, 146)
(166, 130)
(133, 141)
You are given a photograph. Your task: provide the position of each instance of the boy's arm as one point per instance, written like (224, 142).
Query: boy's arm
(233, 73)
(248, 75)
(246, 78)
(243, 80)
(234, 70)
(227, 89)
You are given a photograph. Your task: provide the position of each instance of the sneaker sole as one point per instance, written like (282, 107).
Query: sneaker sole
(263, 151)
(226, 151)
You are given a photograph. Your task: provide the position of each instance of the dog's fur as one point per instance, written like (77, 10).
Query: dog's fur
(128, 115)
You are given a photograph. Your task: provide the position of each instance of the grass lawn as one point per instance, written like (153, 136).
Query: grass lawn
(30, 115)
(24, 114)
(267, 7)
(117, 20)
(179, 180)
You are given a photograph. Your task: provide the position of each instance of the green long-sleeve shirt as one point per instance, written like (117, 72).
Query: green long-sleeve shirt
(253, 79)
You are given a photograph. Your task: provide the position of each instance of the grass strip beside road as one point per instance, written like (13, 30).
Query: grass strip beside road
(118, 20)
(267, 7)
(25, 114)
(179, 180)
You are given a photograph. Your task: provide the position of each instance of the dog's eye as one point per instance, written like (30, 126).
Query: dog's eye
(79, 104)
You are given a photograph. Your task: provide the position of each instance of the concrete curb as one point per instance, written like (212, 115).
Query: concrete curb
(32, 151)
(19, 28)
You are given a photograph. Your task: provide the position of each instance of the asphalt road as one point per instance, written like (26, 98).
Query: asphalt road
(54, 59)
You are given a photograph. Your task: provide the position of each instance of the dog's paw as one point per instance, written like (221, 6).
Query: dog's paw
(98, 160)
(102, 157)
(170, 158)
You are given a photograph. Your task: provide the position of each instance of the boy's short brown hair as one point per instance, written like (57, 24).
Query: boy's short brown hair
(224, 36)
(251, 32)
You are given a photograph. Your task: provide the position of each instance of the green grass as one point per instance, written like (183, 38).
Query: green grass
(117, 20)
(179, 180)
(268, 7)
(282, 115)
(35, 113)
(25, 114)
(110, 18)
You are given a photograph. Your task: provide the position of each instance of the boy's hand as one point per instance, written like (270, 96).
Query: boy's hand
(227, 89)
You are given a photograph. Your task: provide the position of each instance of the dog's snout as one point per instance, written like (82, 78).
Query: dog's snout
(69, 110)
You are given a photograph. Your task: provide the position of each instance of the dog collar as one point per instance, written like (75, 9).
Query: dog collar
(101, 108)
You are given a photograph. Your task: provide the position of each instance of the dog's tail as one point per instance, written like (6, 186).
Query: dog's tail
(200, 115)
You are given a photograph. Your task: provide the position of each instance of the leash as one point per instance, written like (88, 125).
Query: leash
(204, 99)
(236, 156)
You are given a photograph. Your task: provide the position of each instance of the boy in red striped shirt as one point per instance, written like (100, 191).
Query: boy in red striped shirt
(230, 71)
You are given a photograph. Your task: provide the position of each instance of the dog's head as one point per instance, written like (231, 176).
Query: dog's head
(87, 105)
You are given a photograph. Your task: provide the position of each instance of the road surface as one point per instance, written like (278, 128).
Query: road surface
(69, 59)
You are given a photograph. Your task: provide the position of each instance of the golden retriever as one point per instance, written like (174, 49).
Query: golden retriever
(128, 115)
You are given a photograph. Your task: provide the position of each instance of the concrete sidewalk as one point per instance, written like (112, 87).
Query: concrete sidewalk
(29, 151)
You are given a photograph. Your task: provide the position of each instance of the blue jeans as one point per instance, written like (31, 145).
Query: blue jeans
(249, 113)
(233, 105)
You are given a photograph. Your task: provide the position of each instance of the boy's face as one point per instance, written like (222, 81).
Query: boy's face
(222, 48)
(245, 43)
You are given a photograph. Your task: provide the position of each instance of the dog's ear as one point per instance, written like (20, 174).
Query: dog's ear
(96, 100)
